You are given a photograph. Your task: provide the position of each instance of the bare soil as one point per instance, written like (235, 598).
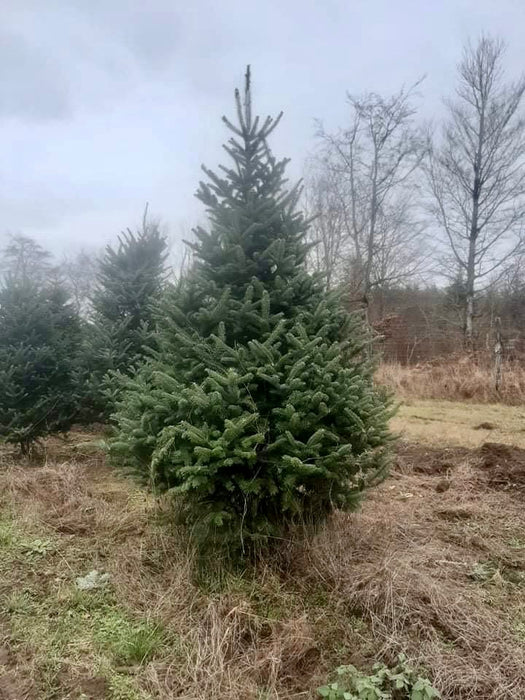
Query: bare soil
(501, 466)
(412, 458)
(11, 687)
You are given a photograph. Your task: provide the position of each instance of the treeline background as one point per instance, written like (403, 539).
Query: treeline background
(419, 225)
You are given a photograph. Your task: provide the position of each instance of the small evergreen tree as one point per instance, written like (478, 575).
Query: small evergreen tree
(39, 337)
(259, 409)
(129, 281)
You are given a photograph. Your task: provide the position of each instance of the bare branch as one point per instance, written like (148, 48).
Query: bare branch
(363, 182)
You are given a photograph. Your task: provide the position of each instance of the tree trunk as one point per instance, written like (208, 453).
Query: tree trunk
(371, 240)
(498, 352)
(471, 263)
(469, 321)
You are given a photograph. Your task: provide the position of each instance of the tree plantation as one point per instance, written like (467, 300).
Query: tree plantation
(244, 388)
(286, 459)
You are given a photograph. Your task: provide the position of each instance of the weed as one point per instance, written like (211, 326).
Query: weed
(19, 603)
(7, 537)
(128, 642)
(485, 572)
(123, 687)
(92, 581)
(519, 628)
(494, 573)
(400, 683)
(36, 548)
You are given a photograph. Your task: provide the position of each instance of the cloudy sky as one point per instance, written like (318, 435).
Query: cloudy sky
(107, 104)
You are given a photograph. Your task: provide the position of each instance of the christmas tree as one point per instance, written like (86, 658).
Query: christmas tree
(39, 338)
(129, 281)
(259, 410)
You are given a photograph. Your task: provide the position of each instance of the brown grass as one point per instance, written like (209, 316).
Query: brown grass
(459, 379)
(439, 576)
(406, 562)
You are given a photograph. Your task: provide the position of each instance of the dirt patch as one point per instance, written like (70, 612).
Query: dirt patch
(10, 689)
(500, 466)
(504, 465)
(455, 513)
(95, 688)
(442, 486)
(419, 459)
(14, 685)
(486, 426)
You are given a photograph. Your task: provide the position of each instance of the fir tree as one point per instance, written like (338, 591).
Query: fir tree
(39, 338)
(129, 281)
(259, 409)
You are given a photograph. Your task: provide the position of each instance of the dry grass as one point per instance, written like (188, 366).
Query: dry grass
(252, 636)
(437, 575)
(459, 379)
(441, 423)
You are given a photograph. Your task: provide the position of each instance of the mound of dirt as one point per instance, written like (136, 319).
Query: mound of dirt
(486, 426)
(504, 465)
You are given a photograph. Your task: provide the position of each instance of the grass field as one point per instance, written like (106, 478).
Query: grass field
(432, 566)
(433, 422)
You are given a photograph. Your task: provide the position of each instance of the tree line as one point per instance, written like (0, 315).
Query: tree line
(401, 205)
(420, 228)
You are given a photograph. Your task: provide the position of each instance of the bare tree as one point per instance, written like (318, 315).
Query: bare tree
(79, 273)
(25, 259)
(477, 174)
(371, 212)
(327, 230)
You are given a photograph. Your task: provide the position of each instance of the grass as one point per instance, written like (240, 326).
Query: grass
(68, 635)
(438, 576)
(435, 423)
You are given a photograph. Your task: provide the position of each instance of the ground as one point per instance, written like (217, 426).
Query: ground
(432, 422)
(433, 566)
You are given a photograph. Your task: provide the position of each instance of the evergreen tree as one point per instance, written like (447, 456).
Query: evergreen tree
(39, 337)
(258, 410)
(129, 280)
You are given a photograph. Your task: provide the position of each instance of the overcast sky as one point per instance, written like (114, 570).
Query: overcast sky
(105, 104)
